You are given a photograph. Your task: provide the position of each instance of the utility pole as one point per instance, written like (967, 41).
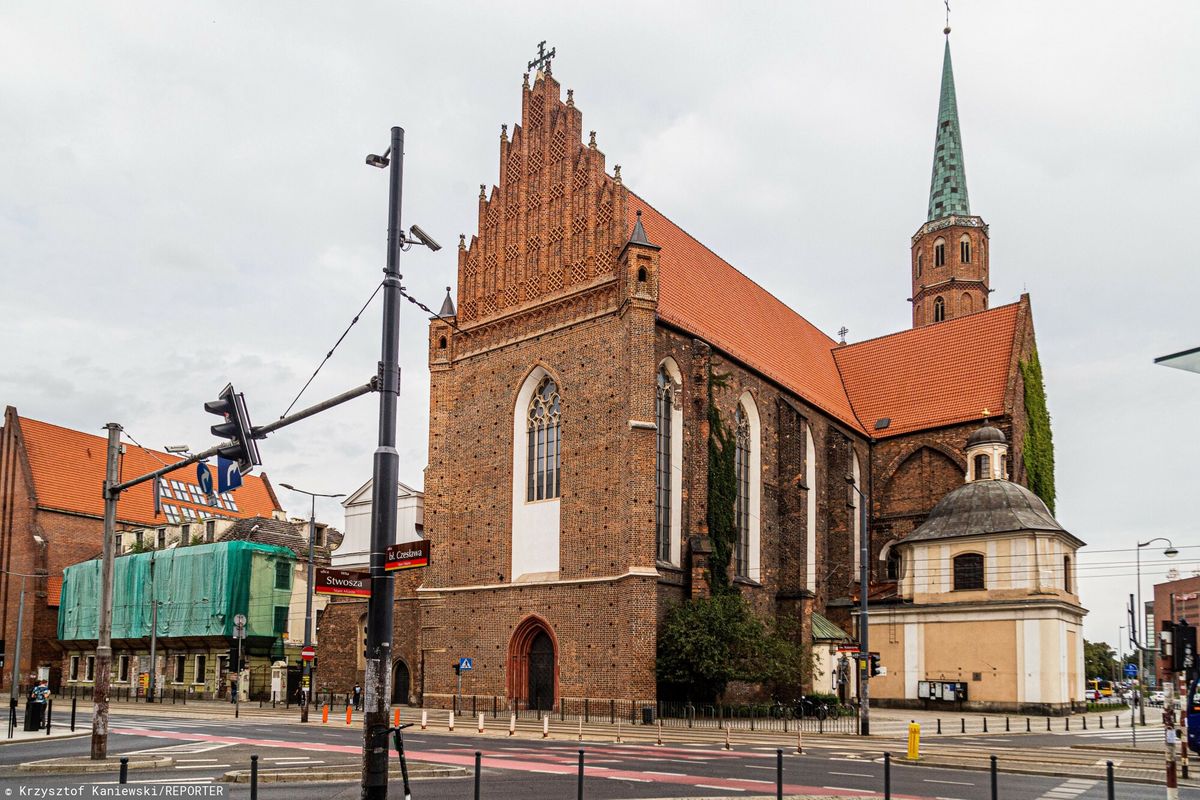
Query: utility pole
(153, 635)
(385, 475)
(16, 667)
(104, 637)
(864, 649)
(308, 598)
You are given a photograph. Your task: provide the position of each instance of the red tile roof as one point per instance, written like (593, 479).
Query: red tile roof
(68, 475)
(923, 378)
(936, 375)
(704, 295)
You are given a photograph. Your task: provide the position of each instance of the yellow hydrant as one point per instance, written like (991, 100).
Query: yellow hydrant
(914, 741)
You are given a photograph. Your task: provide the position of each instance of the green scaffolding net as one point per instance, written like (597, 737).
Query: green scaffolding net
(199, 590)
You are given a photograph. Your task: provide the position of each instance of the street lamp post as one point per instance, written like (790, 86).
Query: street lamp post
(306, 688)
(1144, 642)
(864, 650)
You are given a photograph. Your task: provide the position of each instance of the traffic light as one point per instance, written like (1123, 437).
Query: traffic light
(875, 668)
(1184, 657)
(457, 667)
(232, 406)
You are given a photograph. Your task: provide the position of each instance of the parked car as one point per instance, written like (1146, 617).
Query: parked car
(1157, 698)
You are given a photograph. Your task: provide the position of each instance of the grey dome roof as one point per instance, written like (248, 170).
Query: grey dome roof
(986, 435)
(987, 506)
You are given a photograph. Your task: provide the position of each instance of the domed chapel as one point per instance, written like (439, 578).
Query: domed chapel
(598, 356)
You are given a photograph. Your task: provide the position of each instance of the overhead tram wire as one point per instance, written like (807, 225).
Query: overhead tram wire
(329, 355)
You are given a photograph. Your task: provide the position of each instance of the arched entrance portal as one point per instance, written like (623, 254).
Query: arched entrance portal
(400, 683)
(533, 665)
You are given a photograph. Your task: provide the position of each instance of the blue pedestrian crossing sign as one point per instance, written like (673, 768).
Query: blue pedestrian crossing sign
(1131, 670)
(465, 664)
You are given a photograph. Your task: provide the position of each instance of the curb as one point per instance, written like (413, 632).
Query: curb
(416, 771)
(76, 765)
(44, 738)
(1051, 770)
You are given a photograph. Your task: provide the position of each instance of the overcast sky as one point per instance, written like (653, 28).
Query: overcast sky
(183, 203)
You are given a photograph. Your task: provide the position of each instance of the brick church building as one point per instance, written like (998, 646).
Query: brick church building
(566, 493)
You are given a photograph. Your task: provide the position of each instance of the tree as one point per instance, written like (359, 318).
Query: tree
(1099, 660)
(706, 643)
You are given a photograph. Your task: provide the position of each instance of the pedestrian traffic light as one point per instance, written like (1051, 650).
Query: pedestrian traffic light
(875, 668)
(237, 428)
(457, 667)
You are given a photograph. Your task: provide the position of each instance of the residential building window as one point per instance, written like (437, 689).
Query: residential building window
(968, 571)
(74, 668)
(197, 495)
(117, 544)
(201, 671)
(123, 669)
(162, 538)
(210, 530)
(180, 665)
(189, 513)
(281, 620)
(939, 309)
(982, 467)
(283, 575)
(964, 249)
(139, 539)
(1067, 574)
(172, 513)
(163, 489)
(939, 253)
(544, 436)
(185, 533)
(89, 672)
(664, 401)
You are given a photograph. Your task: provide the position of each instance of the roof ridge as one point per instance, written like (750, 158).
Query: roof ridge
(932, 326)
(724, 261)
(75, 431)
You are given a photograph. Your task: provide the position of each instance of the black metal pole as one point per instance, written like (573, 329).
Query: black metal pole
(253, 777)
(123, 776)
(72, 713)
(994, 793)
(887, 776)
(579, 783)
(49, 714)
(385, 475)
(778, 774)
(306, 680)
(1109, 780)
(478, 758)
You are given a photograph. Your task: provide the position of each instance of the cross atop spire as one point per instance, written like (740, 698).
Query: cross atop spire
(948, 186)
(542, 62)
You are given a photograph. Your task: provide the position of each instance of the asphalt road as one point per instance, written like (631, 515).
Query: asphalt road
(521, 768)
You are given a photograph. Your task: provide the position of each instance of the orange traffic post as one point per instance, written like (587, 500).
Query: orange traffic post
(349, 711)
(325, 714)
(397, 718)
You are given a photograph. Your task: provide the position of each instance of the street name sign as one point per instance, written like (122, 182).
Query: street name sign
(407, 555)
(342, 583)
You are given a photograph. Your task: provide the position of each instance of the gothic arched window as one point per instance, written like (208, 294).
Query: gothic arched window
(919, 264)
(964, 249)
(968, 571)
(543, 430)
(939, 309)
(742, 505)
(967, 304)
(939, 253)
(663, 403)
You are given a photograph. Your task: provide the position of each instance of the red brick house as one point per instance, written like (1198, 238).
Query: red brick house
(566, 491)
(52, 515)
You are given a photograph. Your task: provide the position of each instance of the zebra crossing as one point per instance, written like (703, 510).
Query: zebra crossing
(1068, 790)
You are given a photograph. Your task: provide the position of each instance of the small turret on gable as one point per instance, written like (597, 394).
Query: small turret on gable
(639, 263)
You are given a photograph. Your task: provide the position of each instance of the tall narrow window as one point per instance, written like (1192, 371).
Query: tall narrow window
(919, 259)
(742, 505)
(968, 571)
(664, 400)
(1067, 574)
(983, 467)
(964, 249)
(966, 305)
(939, 253)
(939, 309)
(543, 432)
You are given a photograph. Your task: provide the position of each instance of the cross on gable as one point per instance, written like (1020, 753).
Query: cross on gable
(543, 58)
(842, 333)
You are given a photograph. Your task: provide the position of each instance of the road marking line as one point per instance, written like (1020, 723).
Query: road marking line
(953, 783)
(200, 766)
(669, 774)
(848, 789)
(722, 788)
(852, 774)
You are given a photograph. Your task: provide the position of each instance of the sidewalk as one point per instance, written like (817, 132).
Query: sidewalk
(56, 732)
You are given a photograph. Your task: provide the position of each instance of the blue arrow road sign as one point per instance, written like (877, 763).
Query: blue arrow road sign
(1131, 670)
(204, 478)
(465, 664)
(229, 477)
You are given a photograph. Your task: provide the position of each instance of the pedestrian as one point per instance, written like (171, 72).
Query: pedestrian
(38, 695)
(357, 697)
(233, 689)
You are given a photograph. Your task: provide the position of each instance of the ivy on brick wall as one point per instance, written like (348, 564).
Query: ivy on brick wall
(1039, 442)
(722, 491)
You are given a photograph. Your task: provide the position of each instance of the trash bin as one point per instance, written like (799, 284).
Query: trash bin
(33, 716)
(647, 715)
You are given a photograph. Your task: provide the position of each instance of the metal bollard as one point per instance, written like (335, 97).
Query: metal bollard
(1006, 725)
(1047, 723)
(939, 725)
(887, 776)
(1085, 723)
(779, 775)
(253, 777)
(985, 725)
(1027, 728)
(124, 774)
(73, 700)
(994, 794)
(1101, 722)
(49, 714)
(963, 728)
(1109, 780)
(478, 759)
(1068, 721)
(579, 791)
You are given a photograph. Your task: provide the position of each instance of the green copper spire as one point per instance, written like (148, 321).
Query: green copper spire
(948, 188)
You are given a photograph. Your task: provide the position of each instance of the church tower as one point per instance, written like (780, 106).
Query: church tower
(950, 251)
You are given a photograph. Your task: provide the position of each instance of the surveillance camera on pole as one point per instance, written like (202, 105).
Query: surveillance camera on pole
(236, 427)
(424, 238)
